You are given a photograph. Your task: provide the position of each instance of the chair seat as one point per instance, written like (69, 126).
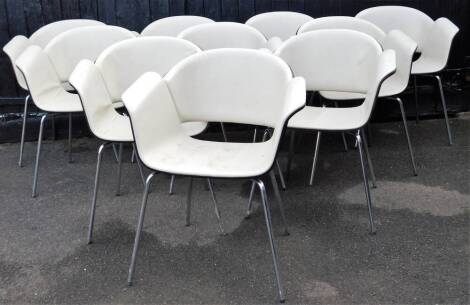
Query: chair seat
(115, 128)
(334, 119)
(58, 100)
(183, 155)
(390, 87)
(426, 65)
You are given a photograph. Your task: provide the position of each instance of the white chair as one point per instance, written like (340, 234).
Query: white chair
(345, 61)
(45, 72)
(101, 85)
(258, 88)
(278, 26)
(392, 87)
(434, 39)
(174, 25)
(221, 35)
(41, 38)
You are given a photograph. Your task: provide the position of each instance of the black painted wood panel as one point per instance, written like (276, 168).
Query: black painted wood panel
(26, 16)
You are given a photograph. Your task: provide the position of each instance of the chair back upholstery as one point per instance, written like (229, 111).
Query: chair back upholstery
(333, 60)
(278, 24)
(68, 49)
(174, 25)
(412, 22)
(224, 35)
(344, 22)
(124, 62)
(228, 85)
(41, 38)
(404, 48)
(340, 60)
(238, 86)
(45, 34)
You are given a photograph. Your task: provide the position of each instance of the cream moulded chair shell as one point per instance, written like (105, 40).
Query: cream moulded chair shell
(101, 84)
(46, 70)
(220, 35)
(434, 39)
(174, 25)
(258, 88)
(278, 26)
(395, 40)
(41, 38)
(345, 61)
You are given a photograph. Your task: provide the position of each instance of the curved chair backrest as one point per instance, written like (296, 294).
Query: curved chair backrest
(45, 34)
(41, 38)
(410, 21)
(278, 24)
(124, 62)
(174, 25)
(229, 85)
(344, 22)
(339, 60)
(68, 49)
(224, 35)
(439, 42)
(404, 48)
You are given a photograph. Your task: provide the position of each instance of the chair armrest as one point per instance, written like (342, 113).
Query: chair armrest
(274, 43)
(14, 48)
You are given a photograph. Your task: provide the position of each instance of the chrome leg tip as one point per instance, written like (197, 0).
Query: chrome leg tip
(248, 216)
(373, 232)
(282, 300)
(129, 283)
(286, 233)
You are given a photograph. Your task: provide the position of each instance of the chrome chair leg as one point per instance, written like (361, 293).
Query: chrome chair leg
(116, 153)
(118, 189)
(224, 134)
(172, 185)
(369, 160)
(188, 202)
(315, 158)
(360, 146)
(267, 217)
(70, 138)
(216, 205)
(405, 125)
(343, 136)
(23, 131)
(281, 176)
(95, 192)
(415, 81)
(290, 156)
(255, 134)
(444, 108)
(139, 163)
(139, 229)
(279, 201)
(38, 154)
(250, 201)
(133, 155)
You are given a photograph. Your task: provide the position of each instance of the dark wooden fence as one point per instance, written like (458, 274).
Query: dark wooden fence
(25, 16)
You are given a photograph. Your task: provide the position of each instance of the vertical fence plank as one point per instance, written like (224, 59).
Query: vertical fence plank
(262, 6)
(51, 10)
(177, 7)
(33, 13)
(246, 9)
(107, 11)
(159, 9)
(195, 7)
(212, 9)
(297, 5)
(280, 5)
(230, 10)
(89, 9)
(70, 9)
(134, 15)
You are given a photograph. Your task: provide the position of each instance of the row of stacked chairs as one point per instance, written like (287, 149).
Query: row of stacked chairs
(158, 89)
